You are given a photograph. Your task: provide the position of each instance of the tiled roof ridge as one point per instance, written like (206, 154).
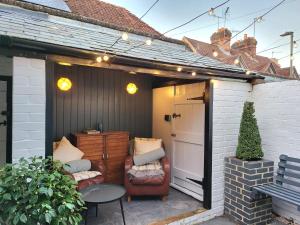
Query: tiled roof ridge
(73, 16)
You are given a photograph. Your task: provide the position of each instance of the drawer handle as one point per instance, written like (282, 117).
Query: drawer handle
(103, 156)
(106, 156)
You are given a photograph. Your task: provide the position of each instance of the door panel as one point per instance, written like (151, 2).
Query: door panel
(188, 141)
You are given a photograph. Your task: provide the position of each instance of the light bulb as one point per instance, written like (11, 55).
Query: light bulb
(106, 58)
(64, 84)
(248, 72)
(211, 12)
(125, 36)
(194, 73)
(99, 59)
(179, 69)
(215, 53)
(236, 61)
(148, 42)
(259, 19)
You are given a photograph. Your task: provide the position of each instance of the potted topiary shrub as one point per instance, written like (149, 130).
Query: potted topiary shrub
(35, 191)
(249, 143)
(246, 170)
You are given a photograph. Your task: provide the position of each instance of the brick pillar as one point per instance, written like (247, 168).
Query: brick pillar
(240, 177)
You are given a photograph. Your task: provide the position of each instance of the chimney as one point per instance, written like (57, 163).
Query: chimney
(221, 38)
(248, 44)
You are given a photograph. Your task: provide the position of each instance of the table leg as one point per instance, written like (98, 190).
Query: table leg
(122, 210)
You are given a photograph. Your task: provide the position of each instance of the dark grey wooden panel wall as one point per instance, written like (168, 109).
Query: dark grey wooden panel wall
(99, 95)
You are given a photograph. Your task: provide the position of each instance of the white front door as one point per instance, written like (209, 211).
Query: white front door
(188, 140)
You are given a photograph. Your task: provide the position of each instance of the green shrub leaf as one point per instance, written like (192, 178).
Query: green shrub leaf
(249, 142)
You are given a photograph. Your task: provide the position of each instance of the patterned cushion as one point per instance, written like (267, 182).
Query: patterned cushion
(151, 166)
(84, 175)
(144, 145)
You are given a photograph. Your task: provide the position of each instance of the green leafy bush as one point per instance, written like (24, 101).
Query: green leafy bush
(249, 144)
(35, 191)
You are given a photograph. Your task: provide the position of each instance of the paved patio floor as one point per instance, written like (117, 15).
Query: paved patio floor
(225, 221)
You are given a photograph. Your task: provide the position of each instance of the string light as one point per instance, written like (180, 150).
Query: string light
(148, 42)
(295, 44)
(125, 36)
(211, 12)
(99, 59)
(259, 19)
(236, 61)
(106, 58)
(194, 73)
(247, 27)
(179, 69)
(215, 53)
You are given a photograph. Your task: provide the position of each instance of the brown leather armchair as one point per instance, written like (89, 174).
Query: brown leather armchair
(97, 165)
(147, 186)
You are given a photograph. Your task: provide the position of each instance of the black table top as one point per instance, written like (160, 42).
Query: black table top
(102, 193)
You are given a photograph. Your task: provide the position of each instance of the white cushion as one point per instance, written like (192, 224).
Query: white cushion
(144, 145)
(66, 152)
(85, 175)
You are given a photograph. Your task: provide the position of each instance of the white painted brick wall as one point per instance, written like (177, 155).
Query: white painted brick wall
(29, 105)
(278, 114)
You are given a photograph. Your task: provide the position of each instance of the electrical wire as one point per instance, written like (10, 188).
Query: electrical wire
(184, 24)
(268, 49)
(288, 55)
(148, 10)
(196, 17)
(213, 24)
(232, 19)
(247, 27)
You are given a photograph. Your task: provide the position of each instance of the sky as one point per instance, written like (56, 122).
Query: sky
(168, 14)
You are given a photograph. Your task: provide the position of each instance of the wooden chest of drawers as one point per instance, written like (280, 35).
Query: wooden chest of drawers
(111, 147)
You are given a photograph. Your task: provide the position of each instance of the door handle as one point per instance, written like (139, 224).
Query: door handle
(176, 115)
(173, 135)
(4, 123)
